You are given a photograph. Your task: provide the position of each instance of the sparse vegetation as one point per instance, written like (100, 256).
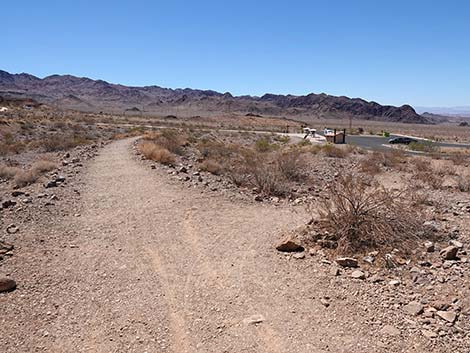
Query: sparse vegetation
(156, 153)
(360, 217)
(424, 146)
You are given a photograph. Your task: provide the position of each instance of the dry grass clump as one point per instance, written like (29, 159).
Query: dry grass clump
(211, 166)
(61, 142)
(334, 152)
(7, 172)
(372, 164)
(172, 140)
(156, 153)
(424, 173)
(359, 217)
(459, 158)
(10, 145)
(30, 176)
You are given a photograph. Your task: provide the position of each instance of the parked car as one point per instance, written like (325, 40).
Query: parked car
(401, 140)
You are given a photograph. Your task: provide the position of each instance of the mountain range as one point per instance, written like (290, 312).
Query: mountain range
(85, 94)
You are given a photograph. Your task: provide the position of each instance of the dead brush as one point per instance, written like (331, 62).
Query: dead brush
(211, 166)
(463, 183)
(172, 140)
(358, 217)
(290, 164)
(156, 153)
(265, 175)
(7, 172)
(334, 152)
(30, 176)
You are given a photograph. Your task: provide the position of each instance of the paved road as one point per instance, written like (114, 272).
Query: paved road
(381, 143)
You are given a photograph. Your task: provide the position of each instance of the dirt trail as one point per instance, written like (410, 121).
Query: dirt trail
(156, 267)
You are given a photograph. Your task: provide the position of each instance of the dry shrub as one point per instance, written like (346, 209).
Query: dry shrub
(156, 153)
(57, 143)
(264, 145)
(26, 177)
(7, 172)
(334, 152)
(30, 176)
(463, 183)
(421, 165)
(170, 139)
(371, 164)
(374, 162)
(459, 158)
(267, 177)
(43, 166)
(211, 166)
(360, 217)
(10, 145)
(290, 165)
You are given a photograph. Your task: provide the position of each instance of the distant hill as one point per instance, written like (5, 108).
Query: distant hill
(80, 93)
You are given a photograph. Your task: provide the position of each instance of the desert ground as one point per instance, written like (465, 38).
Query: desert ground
(131, 234)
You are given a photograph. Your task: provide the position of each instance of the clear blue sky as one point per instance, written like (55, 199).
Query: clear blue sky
(390, 51)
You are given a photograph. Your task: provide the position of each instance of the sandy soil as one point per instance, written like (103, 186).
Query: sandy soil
(139, 263)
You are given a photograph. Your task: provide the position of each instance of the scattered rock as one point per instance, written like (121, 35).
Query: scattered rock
(12, 229)
(390, 330)
(394, 282)
(8, 203)
(299, 255)
(50, 184)
(325, 302)
(346, 262)
(429, 334)
(456, 243)
(17, 193)
(448, 316)
(357, 274)
(334, 271)
(289, 245)
(413, 308)
(254, 319)
(429, 246)
(258, 198)
(7, 284)
(376, 279)
(449, 253)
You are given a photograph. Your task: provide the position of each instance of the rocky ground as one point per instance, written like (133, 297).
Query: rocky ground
(114, 253)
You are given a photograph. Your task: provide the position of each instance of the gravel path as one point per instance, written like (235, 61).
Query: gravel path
(155, 267)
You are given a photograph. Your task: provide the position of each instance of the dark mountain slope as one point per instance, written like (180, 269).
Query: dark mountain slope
(82, 93)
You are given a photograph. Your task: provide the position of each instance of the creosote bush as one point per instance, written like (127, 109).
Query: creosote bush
(359, 217)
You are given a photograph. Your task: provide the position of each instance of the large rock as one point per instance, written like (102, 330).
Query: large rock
(346, 262)
(289, 245)
(449, 253)
(7, 284)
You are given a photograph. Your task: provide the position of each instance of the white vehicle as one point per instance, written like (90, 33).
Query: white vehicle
(328, 131)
